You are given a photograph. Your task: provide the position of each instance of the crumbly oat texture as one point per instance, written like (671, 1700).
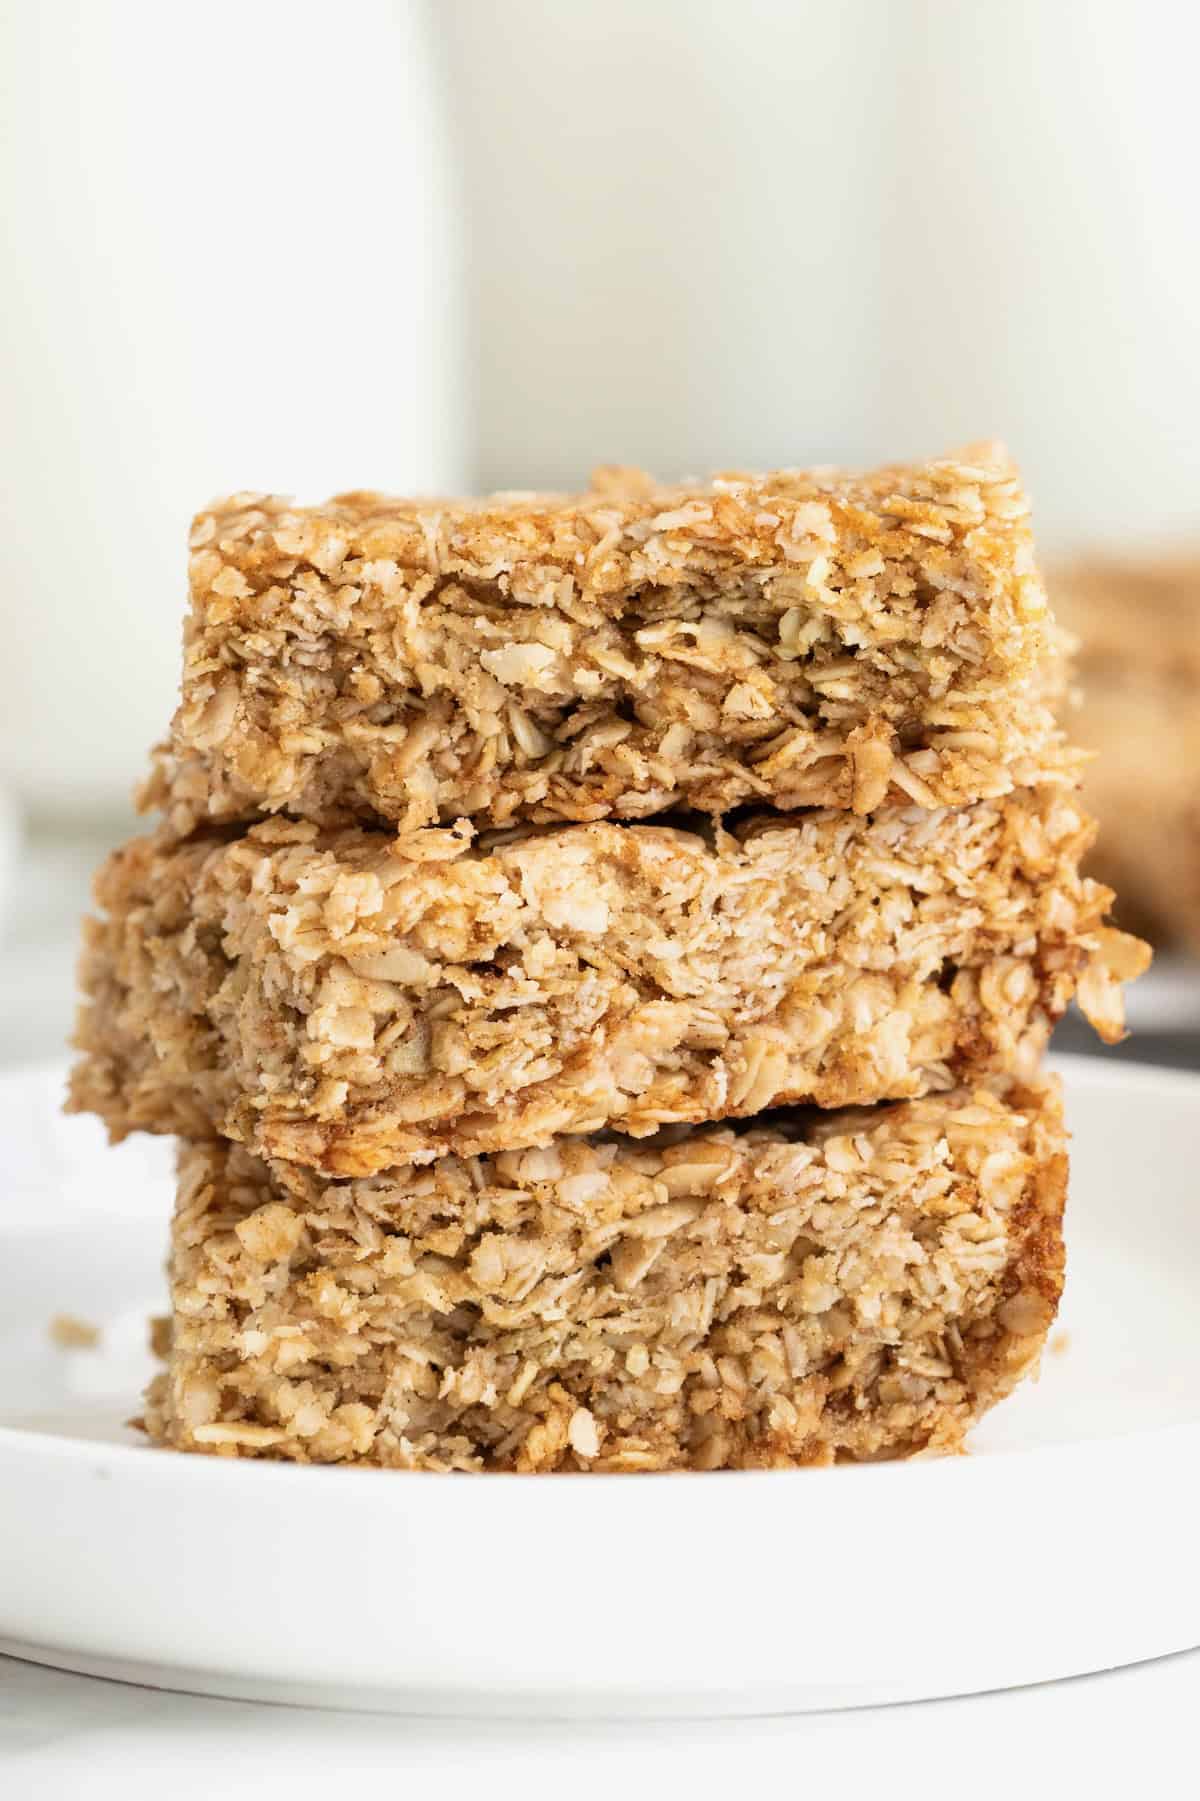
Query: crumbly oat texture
(1138, 622)
(352, 1000)
(854, 1286)
(795, 639)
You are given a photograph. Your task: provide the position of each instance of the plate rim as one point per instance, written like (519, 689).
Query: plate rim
(1070, 1587)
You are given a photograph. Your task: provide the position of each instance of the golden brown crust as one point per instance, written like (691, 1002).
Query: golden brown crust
(793, 639)
(352, 1000)
(856, 1286)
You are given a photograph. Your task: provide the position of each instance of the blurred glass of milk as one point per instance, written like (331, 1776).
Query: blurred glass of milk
(229, 262)
(774, 230)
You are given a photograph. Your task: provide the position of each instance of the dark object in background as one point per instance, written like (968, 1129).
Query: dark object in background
(1175, 1048)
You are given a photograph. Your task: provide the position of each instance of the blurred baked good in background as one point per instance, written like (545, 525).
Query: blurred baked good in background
(1137, 619)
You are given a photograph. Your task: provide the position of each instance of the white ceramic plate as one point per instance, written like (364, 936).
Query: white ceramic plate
(1064, 1544)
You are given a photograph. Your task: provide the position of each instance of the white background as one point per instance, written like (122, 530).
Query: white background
(694, 235)
(307, 246)
(783, 229)
(1129, 1733)
(230, 261)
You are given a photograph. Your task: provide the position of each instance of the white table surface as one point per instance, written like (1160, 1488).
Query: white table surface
(71, 1736)
(64, 1736)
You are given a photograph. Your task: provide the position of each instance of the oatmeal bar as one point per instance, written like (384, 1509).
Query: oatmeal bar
(810, 1289)
(1134, 616)
(1139, 626)
(795, 639)
(1145, 787)
(352, 1000)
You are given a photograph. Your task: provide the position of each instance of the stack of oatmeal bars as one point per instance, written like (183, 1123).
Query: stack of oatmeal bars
(597, 954)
